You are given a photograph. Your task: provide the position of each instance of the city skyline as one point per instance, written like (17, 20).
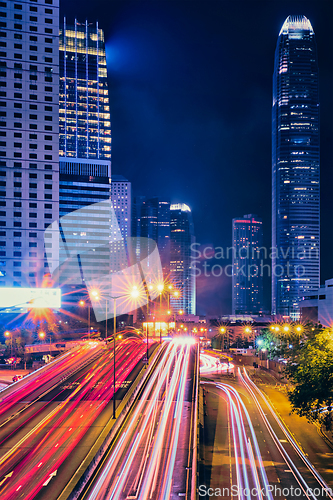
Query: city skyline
(191, 111)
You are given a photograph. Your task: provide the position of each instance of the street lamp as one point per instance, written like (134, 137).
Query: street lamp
(222, 332)
(82, 304)
(8, 334)
(299, 330)
(134, 294)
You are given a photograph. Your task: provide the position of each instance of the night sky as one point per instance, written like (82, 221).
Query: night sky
(190, 87)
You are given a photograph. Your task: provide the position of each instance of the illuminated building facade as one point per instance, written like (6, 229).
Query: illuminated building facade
(29, 146)
(247, 276)
(84, 183)
(151, 219)
(163, 235)
(295, 167)
(85, 149)
(181, 273)
(85, 129)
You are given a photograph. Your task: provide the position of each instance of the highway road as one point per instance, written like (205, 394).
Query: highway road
(248, 450)
(149, 458)
(48, 425)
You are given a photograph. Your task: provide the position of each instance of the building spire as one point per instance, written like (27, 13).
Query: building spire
(296, 23)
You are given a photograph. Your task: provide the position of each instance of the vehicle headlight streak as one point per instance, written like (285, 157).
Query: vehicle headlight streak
(243, 448)
(301, 481)
(111, 464)
(115, 476)
(64, 440)
(208, 365)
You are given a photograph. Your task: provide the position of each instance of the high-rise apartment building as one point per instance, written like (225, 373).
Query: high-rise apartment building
(29, 137)
(247, 275)
(85, 129)
(181, 273)
(295, 167)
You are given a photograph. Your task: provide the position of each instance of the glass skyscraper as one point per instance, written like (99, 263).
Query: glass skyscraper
(295, 167)
(181, 273)
(247, 276)
(84, 121)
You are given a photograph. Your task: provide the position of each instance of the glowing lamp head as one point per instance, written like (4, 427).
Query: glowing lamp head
(222, 329)
(176, 294)
(7, 334)
(160, 287)
(272, 327)
(41, 335)
(286, 328)
(248, 330)
(181, 312)
(298, 329)
(135, 293)
(82, 303)
(168, 312)
(170, 287)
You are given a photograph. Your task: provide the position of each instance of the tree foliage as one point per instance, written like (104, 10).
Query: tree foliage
(311, 371)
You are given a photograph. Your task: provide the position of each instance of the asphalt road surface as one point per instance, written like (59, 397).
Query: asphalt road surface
(49, 422)
(231, 433)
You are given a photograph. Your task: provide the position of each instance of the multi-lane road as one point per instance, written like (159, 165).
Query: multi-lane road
(249, 452)
(150, 458)
(49, 419)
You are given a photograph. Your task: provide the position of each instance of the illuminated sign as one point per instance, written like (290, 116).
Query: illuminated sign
(30, 297)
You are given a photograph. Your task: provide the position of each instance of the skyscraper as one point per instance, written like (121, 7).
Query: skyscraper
(87, 219)
(181, 273)
(163, 235)
(247, 279)
(295, 167)
(85, 129)
(83, 183)
(29, 172)
(151, 219)
(121, 201)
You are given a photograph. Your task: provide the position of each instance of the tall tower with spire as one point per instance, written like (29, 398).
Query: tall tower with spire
(295, 167)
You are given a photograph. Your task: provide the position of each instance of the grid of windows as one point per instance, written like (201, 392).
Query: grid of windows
(28, 111)
(85, 129)
(295, 167)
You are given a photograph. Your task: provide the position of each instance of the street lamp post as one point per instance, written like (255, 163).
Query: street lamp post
(42, 336)
(222, 332)
(134, 293)
(82, 304)
(8, 334)
(160, 288)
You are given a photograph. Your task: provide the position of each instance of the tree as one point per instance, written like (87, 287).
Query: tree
(311, 372)
(270, 342)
